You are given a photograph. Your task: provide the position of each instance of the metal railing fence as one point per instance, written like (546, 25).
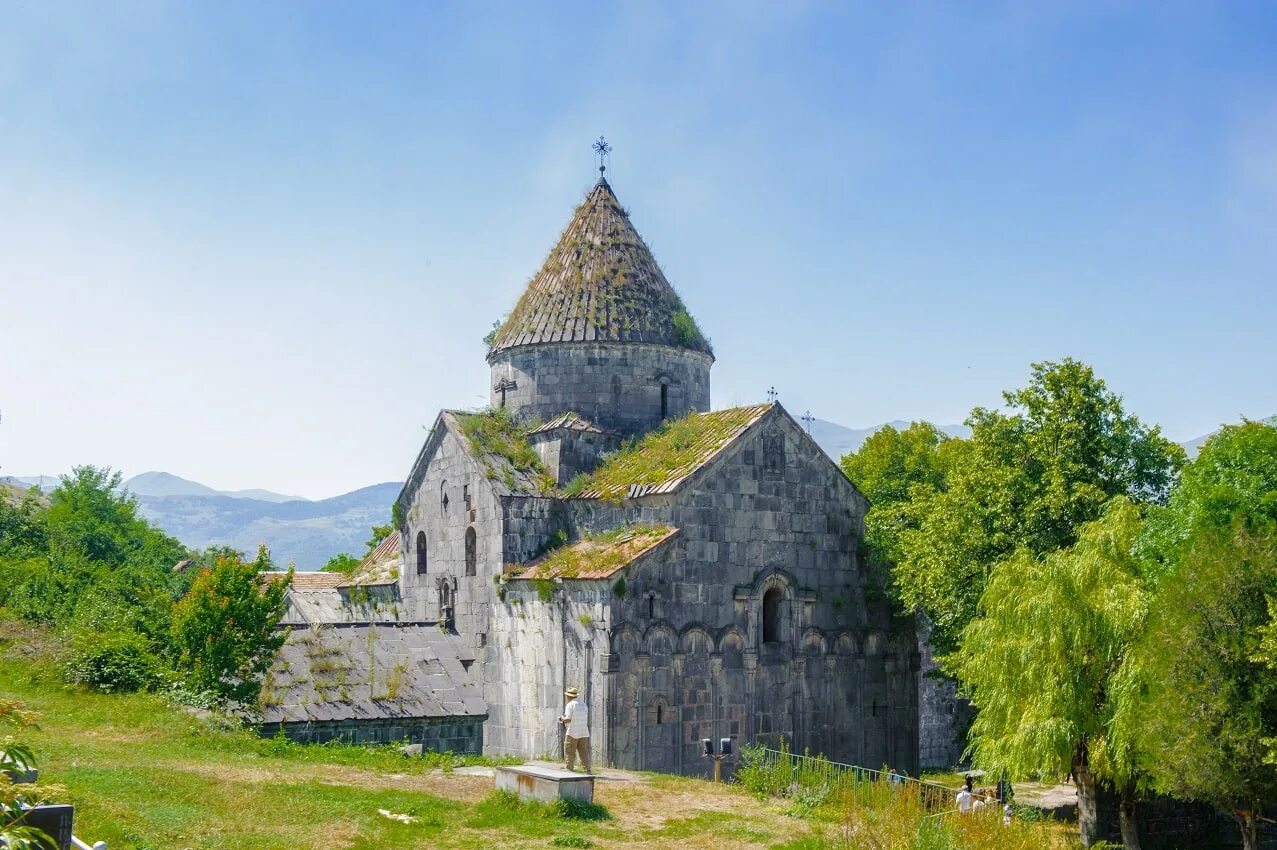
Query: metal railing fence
(820, 776)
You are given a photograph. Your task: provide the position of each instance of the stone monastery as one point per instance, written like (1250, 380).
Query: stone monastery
(696, 573)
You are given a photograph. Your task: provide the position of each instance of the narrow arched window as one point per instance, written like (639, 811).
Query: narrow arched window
(421, 553)
(659, 714)
(651, 606)
(665, 401)
(771, 615)
(472, 552)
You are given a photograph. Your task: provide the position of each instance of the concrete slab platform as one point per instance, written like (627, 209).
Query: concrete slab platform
(547, 784)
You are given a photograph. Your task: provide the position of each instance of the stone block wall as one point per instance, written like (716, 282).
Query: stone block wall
(462, 735)
(567, 453)
(943, 718)
(616, 386)
(538, 647)
(470, 503)
(689, 651)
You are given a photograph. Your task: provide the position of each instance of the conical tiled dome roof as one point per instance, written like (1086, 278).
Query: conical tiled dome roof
(600, 283)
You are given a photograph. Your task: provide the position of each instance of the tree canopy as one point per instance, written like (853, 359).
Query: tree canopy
(1028, 477)
(225, 628)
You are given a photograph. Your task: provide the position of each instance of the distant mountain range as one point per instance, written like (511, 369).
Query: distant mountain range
(166, 484)
(837, 439)
(305, 533)
(308, 533)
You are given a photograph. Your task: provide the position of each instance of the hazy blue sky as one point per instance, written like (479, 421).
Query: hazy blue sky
(258, 244)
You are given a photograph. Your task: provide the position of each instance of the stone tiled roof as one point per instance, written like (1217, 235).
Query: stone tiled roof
(378, 603)
(664, 459)
(568, 421)
(308, 580)
(380, 566)
(599, 557)
(599, 283)
(366, 672)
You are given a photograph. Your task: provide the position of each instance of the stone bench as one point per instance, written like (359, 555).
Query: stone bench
(545, 783)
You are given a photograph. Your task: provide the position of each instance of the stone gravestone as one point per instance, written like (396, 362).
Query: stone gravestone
(55, 821)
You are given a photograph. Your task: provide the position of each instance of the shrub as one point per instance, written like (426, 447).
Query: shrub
(225, 627)
(762, 776)
(574, 809)
(119, 661)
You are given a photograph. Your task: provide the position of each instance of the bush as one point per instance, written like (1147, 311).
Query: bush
(764, 777)
(563, 808)
(224, 629)
(113, 662)
(574, 809)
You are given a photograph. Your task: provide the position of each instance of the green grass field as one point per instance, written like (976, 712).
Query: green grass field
(143, 774)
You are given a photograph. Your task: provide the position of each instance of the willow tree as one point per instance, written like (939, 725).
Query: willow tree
(1042, 662)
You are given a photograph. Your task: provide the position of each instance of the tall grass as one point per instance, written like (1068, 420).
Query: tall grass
(867, 810)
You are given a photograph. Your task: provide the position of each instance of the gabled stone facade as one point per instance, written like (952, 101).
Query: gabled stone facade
(705, 582)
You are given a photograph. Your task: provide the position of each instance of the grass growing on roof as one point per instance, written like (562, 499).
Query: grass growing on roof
(666, 454)
(602, 553)
(495, 434)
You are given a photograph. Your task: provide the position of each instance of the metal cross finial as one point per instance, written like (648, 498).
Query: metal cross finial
(772, 395)
(807, 420)
(602, 149)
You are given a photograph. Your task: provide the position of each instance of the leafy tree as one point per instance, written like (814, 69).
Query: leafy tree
(1234, 476)
(1028, 477)
(88, 556)
(1267, 655)
(1041, 663)
(342, 562)
(378, 533)
(225, 628)
(1208, 701)
(893, 468)
(23, 530)
(1203, 676)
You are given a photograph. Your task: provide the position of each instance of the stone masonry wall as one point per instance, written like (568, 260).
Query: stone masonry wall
(682, 655)
(538, 648)
(943, 718)
(617, 386)
(471, 503)
(689, 659)
(462, 735)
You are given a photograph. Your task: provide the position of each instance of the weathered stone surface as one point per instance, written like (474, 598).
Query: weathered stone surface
(757, 621)
(616, 386)
(678, 651)
(545, 783)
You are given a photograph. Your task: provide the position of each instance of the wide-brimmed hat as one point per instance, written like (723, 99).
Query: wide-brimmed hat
(571, 692)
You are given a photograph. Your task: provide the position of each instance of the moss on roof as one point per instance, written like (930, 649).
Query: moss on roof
(661, 460)
(505, 451)
(599, 283)
(597, 556)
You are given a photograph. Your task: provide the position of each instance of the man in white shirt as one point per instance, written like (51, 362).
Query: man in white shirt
(577, 740)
